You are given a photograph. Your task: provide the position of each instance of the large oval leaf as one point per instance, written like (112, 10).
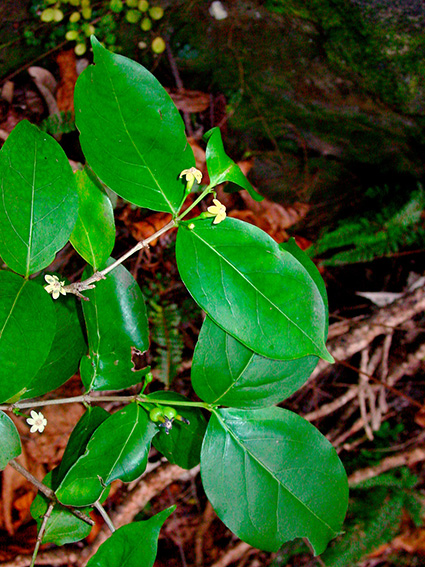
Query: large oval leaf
(27, 328)
(271, 476)
(66, 351)
(118, 448)
(117, 324)
(131, 132)
(78, 440)
(292, 247)
(226, 372)
(251, 288)
(93, 236)
(62, 526)
(39, 202)
(133, 545)
(182, 446)
(222, 168)
(10, 442)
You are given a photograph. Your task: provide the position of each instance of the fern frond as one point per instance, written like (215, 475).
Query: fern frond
(362, 239)
(361, 540)
(165, 333)
(59, 124)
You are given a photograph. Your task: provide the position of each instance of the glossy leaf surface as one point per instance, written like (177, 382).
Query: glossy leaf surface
(133, 545)
(182, 446)
(66, 351)
(62, 527)
(118, 448)
(226, 372)
(252, 289)
(39, 202)
(116, 322)
(222, 168)
(27, 328)
(80, 436)
(93, 236)
(292, 247)
(131, 132)
(271, 477)
(10, 442)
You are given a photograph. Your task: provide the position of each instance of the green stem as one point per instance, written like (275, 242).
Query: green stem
(165, 402)
(205, 192)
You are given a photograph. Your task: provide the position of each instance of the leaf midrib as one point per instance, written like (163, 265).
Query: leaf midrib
(319, 350)
(262, 465)
(172, 210)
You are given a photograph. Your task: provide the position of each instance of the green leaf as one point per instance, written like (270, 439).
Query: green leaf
(39, 202)
(27, 328)
(66, 351)
(93, 236)
(256, 292)
(118, 448)
(10, 442)
(182, 446)
(221, 168)
(133, 545)
(131, 132)
(225, 372)
(292, 247)
(271, 476)
(62, 527)
(116, 322)
(80, 436)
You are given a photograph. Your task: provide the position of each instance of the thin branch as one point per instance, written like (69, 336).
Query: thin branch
(105, 516)
(48, 492)
(179, 83)
(88, 398)
(363, 332)
(233, 555)
(333, 406)
(40, 534)
(408, 458)
(148, 487)
(77, 287)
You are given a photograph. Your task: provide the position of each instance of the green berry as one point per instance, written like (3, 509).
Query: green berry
(156, 12)
(158, 45)
(71, 35)
(80, 48)
(132, 16)
(156, 414)
(116, 5)
(131, 3)
(143, 5)
(74, 17)
(146, 24)
(86, 12)
(47, 15)
(58, 15)
(169, 413)
(74, 2)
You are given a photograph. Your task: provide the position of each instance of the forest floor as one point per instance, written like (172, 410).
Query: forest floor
(370, 404)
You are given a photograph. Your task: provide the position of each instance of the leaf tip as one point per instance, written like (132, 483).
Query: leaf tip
(326, 355)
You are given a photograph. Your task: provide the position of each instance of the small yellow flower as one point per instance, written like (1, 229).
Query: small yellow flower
(55, 287)
(37, 421)
(191, 174)
(218, 210)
